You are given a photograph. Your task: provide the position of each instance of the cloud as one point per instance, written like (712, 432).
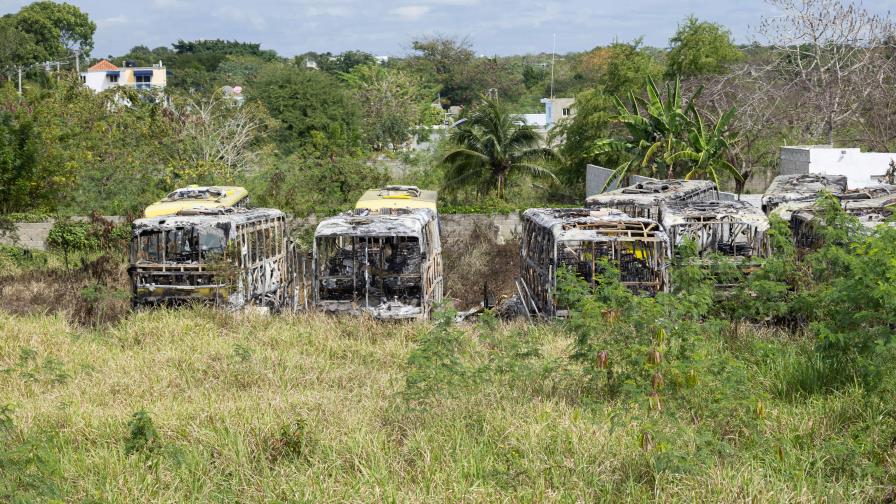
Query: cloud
(111, 21)
(233, 13)
(411, 12)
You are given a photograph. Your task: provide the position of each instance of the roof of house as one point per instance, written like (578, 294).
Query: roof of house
(103, 65)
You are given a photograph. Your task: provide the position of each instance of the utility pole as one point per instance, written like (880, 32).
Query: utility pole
(20, 79)
(553, 57)
(78, 62)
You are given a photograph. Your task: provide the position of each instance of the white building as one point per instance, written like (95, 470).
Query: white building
(862, 169)
(558, 109)
(105, 75)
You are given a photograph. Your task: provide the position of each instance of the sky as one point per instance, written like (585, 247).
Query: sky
(386, 28)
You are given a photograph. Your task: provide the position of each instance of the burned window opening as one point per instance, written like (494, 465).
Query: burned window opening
(645, 200)
(581, 240)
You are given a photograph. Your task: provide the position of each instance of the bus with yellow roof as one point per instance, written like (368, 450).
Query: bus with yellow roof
(397, 196)
(195, 197)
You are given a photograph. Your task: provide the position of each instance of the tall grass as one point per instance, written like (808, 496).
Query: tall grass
(203, 406)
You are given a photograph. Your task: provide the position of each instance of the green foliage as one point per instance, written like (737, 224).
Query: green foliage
(593, 119)
(491, 147)
(19, 258)
(392, 103)
(23, 181)
(291, 442)
(315, 184)
(57, 29)
(666, 137)
(142, 438)
(700, 48)
(308, 103)
(621, 67)
(73, 236)
(434, 367)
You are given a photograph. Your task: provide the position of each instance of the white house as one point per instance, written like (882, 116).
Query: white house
(862, 169)
(558, 109)
(105, 75)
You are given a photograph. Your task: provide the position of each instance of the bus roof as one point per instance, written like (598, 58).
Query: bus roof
(397, 196)
(191, 197)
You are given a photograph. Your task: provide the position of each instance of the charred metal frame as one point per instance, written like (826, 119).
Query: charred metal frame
(647, 198)
(387, 264)
(871, 212)
(580, 238)
(255, 262)
(731, 228)
(801, 188)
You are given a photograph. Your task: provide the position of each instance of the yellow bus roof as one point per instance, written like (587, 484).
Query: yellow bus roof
(190, 197)
(397, 197)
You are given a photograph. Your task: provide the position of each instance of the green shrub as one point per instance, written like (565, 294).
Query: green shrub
(142, 434)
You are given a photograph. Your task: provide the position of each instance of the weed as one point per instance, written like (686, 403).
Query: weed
(142, 438)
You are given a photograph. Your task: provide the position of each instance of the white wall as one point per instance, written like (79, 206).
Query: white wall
(860, 168)
(95, 80)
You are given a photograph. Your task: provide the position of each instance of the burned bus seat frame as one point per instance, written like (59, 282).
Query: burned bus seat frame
(580, 238)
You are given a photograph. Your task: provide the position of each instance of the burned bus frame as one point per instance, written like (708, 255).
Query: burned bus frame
(227, 257)
(646, 199)
(579, 238)
(801, 188)
(735, 229)
(870, 212)
(386, 264)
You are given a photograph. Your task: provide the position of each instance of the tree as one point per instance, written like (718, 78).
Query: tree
(700, 48)
(666, 137)
(492, 145)
(391, 103)
(594, 111)
(621, 67)
(59, 29)
(445, 62)
(308, 102)
(23, 184)
(17, 48)
(213, 130)
(832, 53)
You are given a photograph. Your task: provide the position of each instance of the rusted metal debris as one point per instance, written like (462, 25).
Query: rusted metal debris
(387, 265)
(579, 238)
(647, 198)
(230, 257)
(801, 188)
(731, 228)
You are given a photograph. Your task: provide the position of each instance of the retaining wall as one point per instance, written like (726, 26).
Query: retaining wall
(501, 227)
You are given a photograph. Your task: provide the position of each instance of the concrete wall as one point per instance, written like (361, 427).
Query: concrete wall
(861, 168)
(503, 228)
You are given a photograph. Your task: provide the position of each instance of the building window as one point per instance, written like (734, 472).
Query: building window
(143, 81)
(112, 78)
(83, 79)
(567, 112)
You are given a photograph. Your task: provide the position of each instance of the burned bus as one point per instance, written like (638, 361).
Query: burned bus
(197, 197)
(579, 239)
(646, 199)
(800, 188)
(386, 264)
(735, 229)
(870, 213)
(229, 257)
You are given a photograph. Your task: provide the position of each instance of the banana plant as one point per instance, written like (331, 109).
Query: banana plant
(656, 127)
(707, 149)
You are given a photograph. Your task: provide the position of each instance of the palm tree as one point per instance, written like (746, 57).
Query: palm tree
(707, 149)
(491, 145)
